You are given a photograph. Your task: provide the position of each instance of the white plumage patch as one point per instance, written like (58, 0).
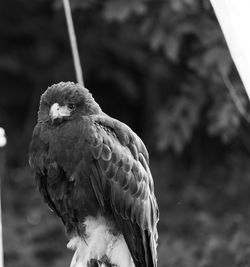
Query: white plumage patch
(3, 140)
(100, 242)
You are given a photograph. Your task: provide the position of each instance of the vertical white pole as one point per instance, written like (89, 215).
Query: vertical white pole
(3, 142)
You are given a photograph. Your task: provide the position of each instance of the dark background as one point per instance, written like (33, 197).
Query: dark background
(157, 66)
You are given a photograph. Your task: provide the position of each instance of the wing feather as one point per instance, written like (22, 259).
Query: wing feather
(123, 162)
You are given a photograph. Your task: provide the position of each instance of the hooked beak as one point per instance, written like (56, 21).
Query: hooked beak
(58, 112)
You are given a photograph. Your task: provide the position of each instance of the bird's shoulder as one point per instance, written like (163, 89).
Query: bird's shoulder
(105, 129)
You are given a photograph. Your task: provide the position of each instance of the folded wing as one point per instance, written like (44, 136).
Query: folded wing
(122, 182)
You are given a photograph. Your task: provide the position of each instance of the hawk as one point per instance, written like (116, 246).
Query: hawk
(92, 171)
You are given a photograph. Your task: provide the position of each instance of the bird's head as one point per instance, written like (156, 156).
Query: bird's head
(66, 101)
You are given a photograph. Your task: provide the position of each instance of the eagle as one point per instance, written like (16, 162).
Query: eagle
(93, 172)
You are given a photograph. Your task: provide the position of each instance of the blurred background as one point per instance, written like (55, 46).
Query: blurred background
(157, 66)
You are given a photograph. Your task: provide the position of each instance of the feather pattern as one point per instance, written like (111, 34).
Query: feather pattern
(122, 160)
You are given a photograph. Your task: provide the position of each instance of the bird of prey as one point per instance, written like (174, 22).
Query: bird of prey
(92, 171)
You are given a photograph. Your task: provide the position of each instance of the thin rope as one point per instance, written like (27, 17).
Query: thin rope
(73, 42)
(2, 144)
(237, 102)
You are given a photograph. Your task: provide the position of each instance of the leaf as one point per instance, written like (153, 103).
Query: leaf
(224, 119)
(120, 10)
(176, 123)
(171, 47)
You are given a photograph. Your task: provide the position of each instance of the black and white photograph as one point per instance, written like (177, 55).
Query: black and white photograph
(125, 133)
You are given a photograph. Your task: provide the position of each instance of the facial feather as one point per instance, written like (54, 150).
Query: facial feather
(65, 93)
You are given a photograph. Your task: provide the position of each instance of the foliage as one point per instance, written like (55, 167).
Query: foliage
(193, 230)
(187, 35)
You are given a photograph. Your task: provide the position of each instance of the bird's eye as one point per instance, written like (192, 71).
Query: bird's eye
(71, 106)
